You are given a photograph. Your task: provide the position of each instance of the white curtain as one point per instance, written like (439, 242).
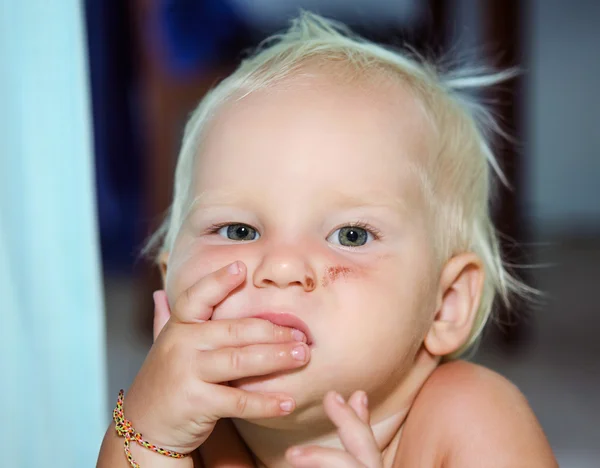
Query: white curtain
(52, 367)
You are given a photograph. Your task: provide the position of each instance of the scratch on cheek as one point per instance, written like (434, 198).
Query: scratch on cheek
(333, 273)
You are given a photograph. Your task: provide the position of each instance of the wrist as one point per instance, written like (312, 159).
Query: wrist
(135, 445)
(149, 459)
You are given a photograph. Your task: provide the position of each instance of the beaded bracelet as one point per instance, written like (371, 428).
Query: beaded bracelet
(125, 429)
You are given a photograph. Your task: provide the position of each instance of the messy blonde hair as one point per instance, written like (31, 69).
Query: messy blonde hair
(456, 182)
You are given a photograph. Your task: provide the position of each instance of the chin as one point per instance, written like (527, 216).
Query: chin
(309, 410)
(280, 382)
(295, 383)
(312, 417)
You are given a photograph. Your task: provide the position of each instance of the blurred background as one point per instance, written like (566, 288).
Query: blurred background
(152, 61)
(145, 64)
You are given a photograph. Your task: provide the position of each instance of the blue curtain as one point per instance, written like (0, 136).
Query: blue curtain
(52, 364)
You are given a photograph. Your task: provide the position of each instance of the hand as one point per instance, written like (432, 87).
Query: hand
(180, 392)
(352, 421)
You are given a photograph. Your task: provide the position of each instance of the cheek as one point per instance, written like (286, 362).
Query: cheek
(387, 307)
(377, 335)
(333, 273)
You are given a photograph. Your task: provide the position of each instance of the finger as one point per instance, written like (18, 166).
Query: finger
(216, 334)
(161, 312)
(198, 301)
(226, 364)
(357, 437)
(316, 457)
(229, 402)
(360, 404)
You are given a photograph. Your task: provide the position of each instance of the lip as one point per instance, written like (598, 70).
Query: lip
(287, 320)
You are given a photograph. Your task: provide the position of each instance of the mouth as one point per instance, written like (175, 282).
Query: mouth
(287, 320)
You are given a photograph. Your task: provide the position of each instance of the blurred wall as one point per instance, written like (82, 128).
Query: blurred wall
(269, 14)
(563, 148)
(561, 142)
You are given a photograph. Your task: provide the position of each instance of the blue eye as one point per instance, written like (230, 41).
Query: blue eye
(237, 232)
(351, 236)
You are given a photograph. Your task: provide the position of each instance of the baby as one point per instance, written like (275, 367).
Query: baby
(328, 256)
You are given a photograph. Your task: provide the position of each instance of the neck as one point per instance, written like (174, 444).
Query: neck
(268, 445)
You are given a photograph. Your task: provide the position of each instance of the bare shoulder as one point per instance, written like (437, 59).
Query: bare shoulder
(476, 418)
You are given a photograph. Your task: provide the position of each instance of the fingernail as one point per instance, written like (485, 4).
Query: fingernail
(287, 405)
(296, 451)
(340, 398)
(234, 268)
(365, 400)
(298, 335)
(299, 353)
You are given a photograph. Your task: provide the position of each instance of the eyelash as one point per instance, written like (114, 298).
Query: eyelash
(376, 233)
(214, 228)
(364, 225)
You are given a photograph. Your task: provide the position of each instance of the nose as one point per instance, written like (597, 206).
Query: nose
(285, 268)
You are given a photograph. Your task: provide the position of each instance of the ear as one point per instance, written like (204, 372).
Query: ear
(458, 298)
(163, 260)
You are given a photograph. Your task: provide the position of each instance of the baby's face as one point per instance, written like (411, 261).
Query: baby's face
(309, 184)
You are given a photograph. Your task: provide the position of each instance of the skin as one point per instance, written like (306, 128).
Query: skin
(295, 164)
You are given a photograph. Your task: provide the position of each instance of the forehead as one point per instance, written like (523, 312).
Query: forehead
(312, 135)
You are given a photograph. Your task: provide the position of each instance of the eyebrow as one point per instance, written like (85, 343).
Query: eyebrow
(341, 200)
(373, 199)
(215, 197)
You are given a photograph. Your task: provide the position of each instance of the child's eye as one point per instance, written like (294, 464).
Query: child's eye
(355, 235)
(237, 232)
(351, 236)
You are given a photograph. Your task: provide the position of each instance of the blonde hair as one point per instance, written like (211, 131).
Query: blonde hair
(456, 181)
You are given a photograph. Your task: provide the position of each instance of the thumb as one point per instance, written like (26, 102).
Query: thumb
(162, 313)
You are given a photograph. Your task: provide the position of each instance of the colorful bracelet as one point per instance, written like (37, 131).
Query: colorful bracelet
(125, 429)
